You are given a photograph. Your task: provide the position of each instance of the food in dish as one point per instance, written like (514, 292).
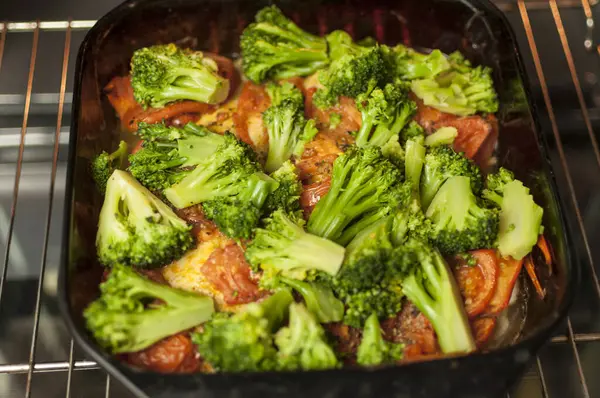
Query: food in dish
(331, 204)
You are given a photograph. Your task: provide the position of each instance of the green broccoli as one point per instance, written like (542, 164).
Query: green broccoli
(273, 47)
(354, 70)
(226, 173)
(319, 299)
(412, 130)
(442, 136)
(430, 286)
(365, 187)
(302, 344)
(459, 223)
(384, 113)
(287, 128)
(104, 164)
(127, 317)
(237, 216)
(165, 73)
(373, 349)
(461, 90)
(414, 161)
(287, 194)
(520, 216)
(169, 154)
(137, 229)
(284, 248)
(408, 64)
(244, 341)
(393, 151)
(442, 163)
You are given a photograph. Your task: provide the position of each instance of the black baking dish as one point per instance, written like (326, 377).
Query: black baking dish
(475, 27)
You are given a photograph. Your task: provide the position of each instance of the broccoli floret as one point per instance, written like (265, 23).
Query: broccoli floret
(430, 286)
(442, 163)
(520, 216)
(319, 299)
(365, 187)
(283, 247)
(362, 303)
(394, 152)
(225, 173)
(165, 73)
(460, 90)
(273, 47)
(287, 194)
(373, 349)
(104, 164)
(137, 229)
(244, 341)
(127, 318)
(169, 154)
(459, 223)
(408, 64)
(442, 136)
(384, 113)
(287, 128)
(302, 344)
(412, 130)
(354, 70)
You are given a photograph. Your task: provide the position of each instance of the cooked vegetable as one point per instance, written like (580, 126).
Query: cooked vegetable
(365, 187)
(354, 70)
(441, 163)
(127, 317)
(431, 287)
(104, 164)
(135, 228)
(284, 248)
(384, 113)
(169, 154)
(373, 349)
(477, 279)
(415, 159)
(412, 130)
(442, 136)
(286, 125)
(244, 341)
(165, 73)
(287, 194)
(319, 299)
(302, 344)
(273, 47)
(520, 217)
(459, 223)
(408, 64)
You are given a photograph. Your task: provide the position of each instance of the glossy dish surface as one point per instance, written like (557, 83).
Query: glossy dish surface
(532, 314)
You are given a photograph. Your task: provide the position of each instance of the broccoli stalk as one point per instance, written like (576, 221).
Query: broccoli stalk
(354, 70)
(283, 247)
(365, 187)
(520, 216)
(442, 163)
(165, 73)
(373, 349)
(137, 229)
(384, 113)
(225, 173)
(244, 341)
(414, 160)
(319, 299)
(170, 153)
(431, 287)
(442, 136)
(302, 344)
(104, 164)
(126, 317)
(273, 47)
(460, 224)
(287, 128)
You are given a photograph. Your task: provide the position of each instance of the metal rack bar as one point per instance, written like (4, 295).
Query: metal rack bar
(46, 367)
(63, 85)
(542, 378)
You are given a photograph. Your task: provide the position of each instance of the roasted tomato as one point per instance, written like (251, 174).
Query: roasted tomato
(173, 354)
(507, 277)
(483, 329)
(477, 282)
(311, 194)
(252, 102)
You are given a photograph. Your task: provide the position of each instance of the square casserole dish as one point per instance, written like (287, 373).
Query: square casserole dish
(475, 27)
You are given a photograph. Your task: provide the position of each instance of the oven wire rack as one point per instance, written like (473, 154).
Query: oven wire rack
(571, 340)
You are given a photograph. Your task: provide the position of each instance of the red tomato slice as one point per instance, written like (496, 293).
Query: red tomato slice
(311, 194)
(483, 328)
(509, 271)
(477, 283)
